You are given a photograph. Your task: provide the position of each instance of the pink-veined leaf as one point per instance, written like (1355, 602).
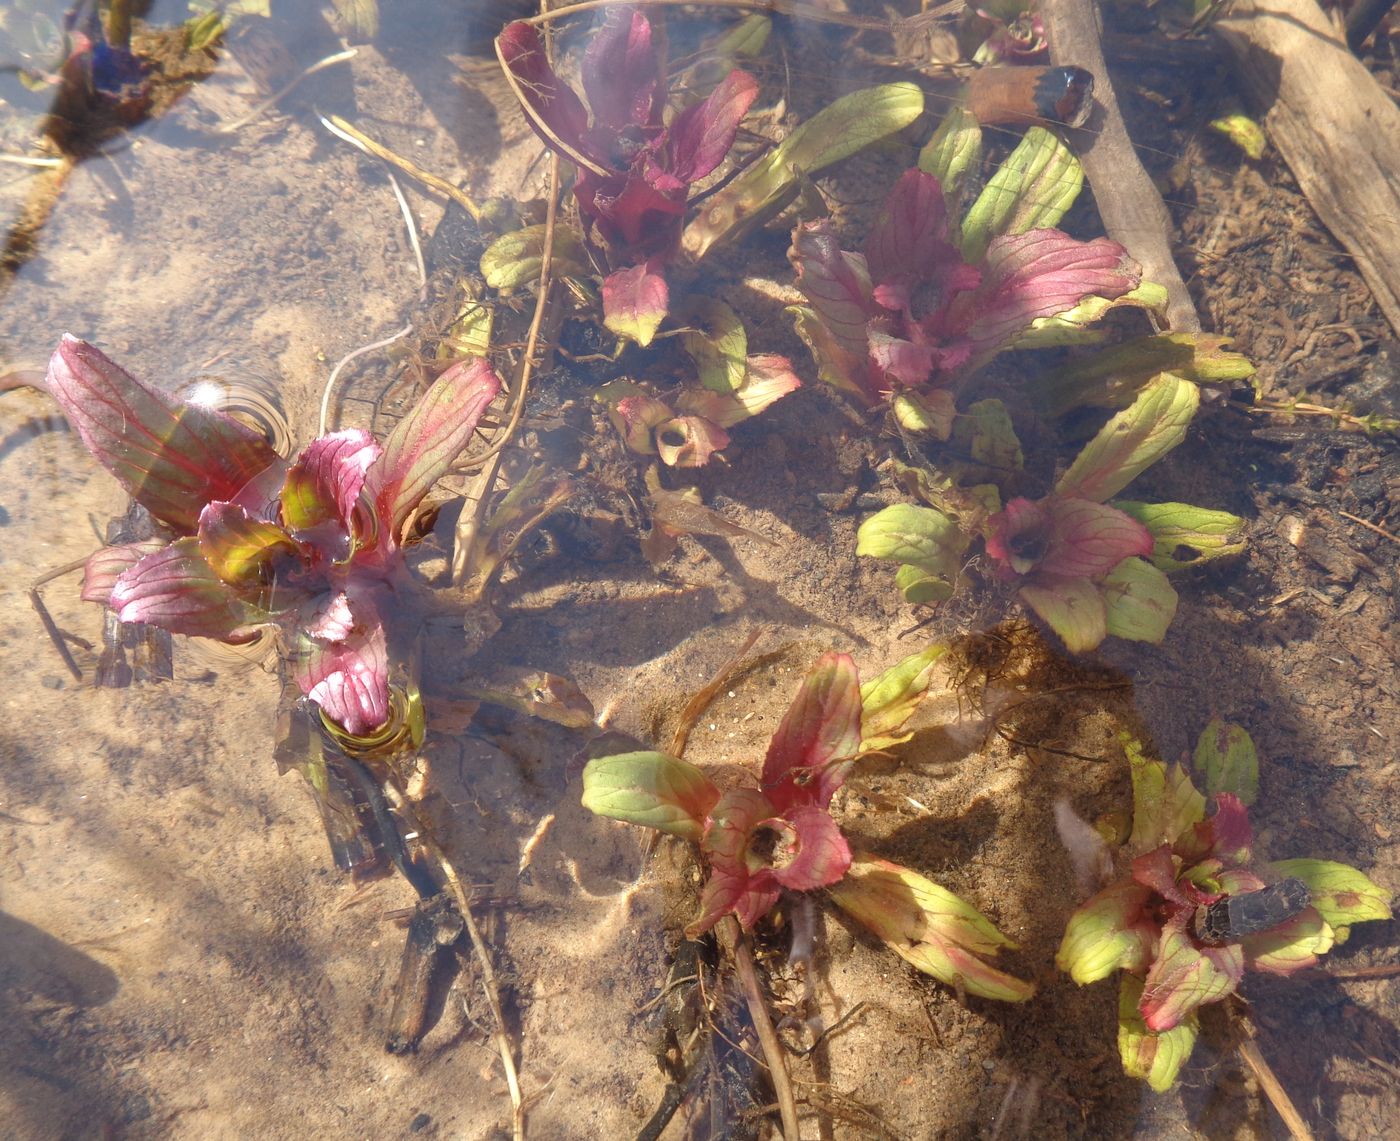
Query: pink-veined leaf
(107, 565)
(1038, 274)
(1108, 932)
(636, 418)
(910, 240)
(553, 109)
(327, 617)
(819, 856)
(909, 363)
(1231, 836)
(701, 135)
(324, 483)
(1185, 977)
(237, 545)
(349, 679)
(836, 283)
(177, 590)
(1290, 947)
(635, 301)
(424, 443)
(810, 753)
(838, 366)
(1065, 538)
(729, 890)
(621, 73)
(172, 457)
(767, 379)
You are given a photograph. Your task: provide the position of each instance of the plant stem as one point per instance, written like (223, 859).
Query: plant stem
(1272, 1087)
(731, 933)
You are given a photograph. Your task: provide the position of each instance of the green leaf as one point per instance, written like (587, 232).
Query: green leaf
(1132, 440)
(469, 335)
(953, 151)
(849, 125)
(922, 587)
(1032, 189)
(1186, 536)
(652, 789)
(1226, 758)
(1244, 132)
(513, 259)
(1341, 894)
(1155, 1058)
(929, 414)
(1139, 601)
(888, 701)
(1111, 378)
(908, 533)
(928, 926)
(1165, 802)
(716, 342)
(985, 433)
(1073, 608)
(1105, 934)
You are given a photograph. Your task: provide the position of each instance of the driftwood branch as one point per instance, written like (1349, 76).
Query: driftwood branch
(1132, 210)
(1336, 128)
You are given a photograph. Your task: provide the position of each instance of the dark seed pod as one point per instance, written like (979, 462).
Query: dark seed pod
(1231, 919)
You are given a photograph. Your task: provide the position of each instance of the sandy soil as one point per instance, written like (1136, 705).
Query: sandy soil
(178, 958)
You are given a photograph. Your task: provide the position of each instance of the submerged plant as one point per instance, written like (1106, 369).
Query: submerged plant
(1197, 909)
(913, 311)
(313, 547)
(781, 836)
(1088, 565)
(635, 169)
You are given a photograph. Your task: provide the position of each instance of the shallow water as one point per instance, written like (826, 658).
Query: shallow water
(179, 958)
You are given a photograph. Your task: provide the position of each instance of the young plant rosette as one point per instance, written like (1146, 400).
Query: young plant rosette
(313, 547)
(634, 169)
(1089, 568)
(913, 311)
(1196, 911)
(781, 836)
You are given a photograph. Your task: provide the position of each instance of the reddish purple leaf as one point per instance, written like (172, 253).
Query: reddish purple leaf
(349, 679)
(554, 111)
(324, 484)
(107, 565)
(635, 301)
(172, 457)
(727, 891)
(1231, 836)
(836, 283)
(820, 856)
(702, 134)
(1037, 274)
(907, 362)
(622, 74)
(820, 730)
(1064, 537)
(424, 444)
(910, 241)
(176, 589)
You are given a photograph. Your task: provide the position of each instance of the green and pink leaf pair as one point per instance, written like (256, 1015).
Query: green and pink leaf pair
(781, 836)
(1196, 911)
(313, 547)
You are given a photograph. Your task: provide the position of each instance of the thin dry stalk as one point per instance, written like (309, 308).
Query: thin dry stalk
(1273, 1089)
(272, 100)
(470, 523)
(773, 1056)
(700, 702)
(339, 126)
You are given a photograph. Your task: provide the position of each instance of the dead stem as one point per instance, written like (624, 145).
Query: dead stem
(345, 360)
(698, 704)
(1269, 1083)
(731, 933)
(470, 523)
(781, 7)
(1129, 202)
(339, 126)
